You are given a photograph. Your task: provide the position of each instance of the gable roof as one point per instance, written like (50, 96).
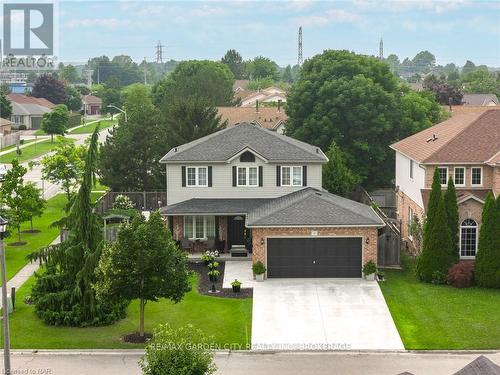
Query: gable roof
(224, 144)
(24, 99)
(312, 207)
(464, 138)
(480, 366)
(479, 99)
(266, 117)
(28, 109)
(91, 99)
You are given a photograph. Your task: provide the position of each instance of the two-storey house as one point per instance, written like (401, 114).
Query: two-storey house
(465, 147)
(249, 187)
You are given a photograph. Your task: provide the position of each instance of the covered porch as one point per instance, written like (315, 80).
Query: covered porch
(212, 224)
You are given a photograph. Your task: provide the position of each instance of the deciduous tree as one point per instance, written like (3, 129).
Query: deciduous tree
(55, 121)
(49, 87)
(143, 263)
(234, 62)
(33, 202)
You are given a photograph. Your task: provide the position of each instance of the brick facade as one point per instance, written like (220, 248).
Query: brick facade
(259, 236)
(496, 181)
(488, 175)
(178, 228)
(470, 209)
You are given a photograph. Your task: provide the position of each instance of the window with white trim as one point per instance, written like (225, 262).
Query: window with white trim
(476, 176)
(199, 227)
(468, 238)
(248, 176)
(459, 176)
(197, 176)
(443, 175)
(411, 219)
(291, 176)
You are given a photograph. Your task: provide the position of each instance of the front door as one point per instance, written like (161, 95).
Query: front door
(236, 229)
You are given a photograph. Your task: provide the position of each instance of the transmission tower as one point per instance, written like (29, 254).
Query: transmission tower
(159, 52)
(381, 49)
(300, 59)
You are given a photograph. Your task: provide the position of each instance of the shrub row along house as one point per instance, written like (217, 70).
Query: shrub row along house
(466, 148)
(247, 187)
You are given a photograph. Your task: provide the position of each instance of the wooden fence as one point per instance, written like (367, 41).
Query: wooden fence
(9, 140)
(142, 200)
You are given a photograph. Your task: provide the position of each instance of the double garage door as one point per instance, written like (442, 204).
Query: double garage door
(314, 257)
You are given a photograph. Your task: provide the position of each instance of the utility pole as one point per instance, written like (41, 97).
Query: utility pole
(145, 72)
(300, 59)
(5, 308)
(381, 49)
(159, 52)
(89, 77)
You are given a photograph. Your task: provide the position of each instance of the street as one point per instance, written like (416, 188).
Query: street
(112, 362)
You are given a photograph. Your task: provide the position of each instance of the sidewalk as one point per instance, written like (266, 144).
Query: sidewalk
(38, 140)
(24, 274)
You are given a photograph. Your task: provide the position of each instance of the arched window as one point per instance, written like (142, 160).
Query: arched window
(468, 238)
(248, 157)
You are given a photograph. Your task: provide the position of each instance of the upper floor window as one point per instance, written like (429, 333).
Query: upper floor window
(197, 176)
(476, 176)
(291, 176)
(468, 238)
(443, 175)
(248, 176)
(411, 168)
(459, 179)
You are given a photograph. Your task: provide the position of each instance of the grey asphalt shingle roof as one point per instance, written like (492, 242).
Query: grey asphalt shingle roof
(213, 206)
(223, 145)
(310, 206)
(480, 366)
(307, 206)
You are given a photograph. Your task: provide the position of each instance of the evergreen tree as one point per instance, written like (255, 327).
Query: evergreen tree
(337, 177)
(451, 206)
(63, 293)
(437, 244)
(191, 118)
(487, 271)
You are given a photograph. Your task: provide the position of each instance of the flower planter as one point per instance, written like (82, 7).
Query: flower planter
(213, 279)
(259, 277)
(370, 277)
(236, 288)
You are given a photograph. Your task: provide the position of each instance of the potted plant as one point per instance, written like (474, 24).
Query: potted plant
(236, 284)
(213, 275)
(259, 270)
(369, 270)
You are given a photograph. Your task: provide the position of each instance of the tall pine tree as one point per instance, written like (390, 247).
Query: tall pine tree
(451, 207)
(487, 270)
(437, 244)
(63, 293)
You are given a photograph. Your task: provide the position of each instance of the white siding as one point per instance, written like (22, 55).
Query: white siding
(222, 182)
(410, 186)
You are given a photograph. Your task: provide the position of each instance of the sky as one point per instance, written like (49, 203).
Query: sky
(453, 31)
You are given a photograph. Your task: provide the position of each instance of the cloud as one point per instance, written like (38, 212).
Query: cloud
(108, 23)
(329, 17)
(402, 6)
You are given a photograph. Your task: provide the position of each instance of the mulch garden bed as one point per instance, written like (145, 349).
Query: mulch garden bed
(31, 231)
(205, 285)
(136, 338)
(19, 243)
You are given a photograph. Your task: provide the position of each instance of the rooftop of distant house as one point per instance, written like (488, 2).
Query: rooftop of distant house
(24, 99)
(266, 117)
(91, 99)
(480, 100)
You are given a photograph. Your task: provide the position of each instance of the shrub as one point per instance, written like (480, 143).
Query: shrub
(122, 202)
(438, 277)
(461, 275)
(182, 351)
(236, 282)
(258, 268)
(369, 268)
(22, 127)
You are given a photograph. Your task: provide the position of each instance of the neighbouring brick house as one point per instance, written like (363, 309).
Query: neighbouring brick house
(272, 118)
(92, 105)
(247, 187)
(465, 147)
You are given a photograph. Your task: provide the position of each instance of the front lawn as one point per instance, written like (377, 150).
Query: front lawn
(228, 320)
(30, 152)
(13, 147)
(89, 128)
(16, 255)
(431, 316)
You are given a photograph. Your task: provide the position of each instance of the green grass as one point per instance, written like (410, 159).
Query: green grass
(228, 320)
(431, 316)
(16, 255)
(30, 152)
(89, 128)
(14, 146)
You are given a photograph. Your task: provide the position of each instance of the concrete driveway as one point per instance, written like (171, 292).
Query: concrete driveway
(322, 314)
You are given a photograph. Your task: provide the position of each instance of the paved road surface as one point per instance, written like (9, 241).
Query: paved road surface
(342, 363)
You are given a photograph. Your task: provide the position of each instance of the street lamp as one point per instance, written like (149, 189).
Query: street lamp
(5, 308)
(121, 110)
